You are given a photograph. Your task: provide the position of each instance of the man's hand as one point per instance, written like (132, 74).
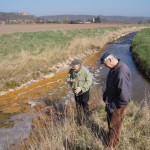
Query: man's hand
(77, 90)
(72, 80)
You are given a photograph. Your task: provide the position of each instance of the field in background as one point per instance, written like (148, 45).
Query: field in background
(6, 29)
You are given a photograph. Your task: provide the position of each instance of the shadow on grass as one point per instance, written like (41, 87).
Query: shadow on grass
(87, 121)
(97, 131)
(94, 128)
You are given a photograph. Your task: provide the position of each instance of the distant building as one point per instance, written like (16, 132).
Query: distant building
(87, 22)
(93, 19)
(23, 13)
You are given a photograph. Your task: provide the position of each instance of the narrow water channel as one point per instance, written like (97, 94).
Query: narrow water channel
(121, 49)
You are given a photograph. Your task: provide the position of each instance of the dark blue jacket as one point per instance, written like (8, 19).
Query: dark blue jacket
(118, 85)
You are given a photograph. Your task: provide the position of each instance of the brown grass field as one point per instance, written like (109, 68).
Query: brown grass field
(6, 29)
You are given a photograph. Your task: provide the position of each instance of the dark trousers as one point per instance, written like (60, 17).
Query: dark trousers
(82, 103)
(115, 121)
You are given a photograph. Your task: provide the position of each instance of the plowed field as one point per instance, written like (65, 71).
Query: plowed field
(6, 29)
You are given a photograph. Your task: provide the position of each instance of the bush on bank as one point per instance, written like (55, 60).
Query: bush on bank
(141, 50)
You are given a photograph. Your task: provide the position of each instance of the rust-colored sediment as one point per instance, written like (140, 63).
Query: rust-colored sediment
(17, 101)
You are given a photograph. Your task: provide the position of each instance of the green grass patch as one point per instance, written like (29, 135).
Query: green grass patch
(141, 49)
(37, 42)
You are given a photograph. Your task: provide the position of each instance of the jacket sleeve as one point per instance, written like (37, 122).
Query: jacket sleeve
(88, 82)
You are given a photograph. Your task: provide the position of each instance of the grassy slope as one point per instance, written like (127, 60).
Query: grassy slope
(26, 56)
(141, 50)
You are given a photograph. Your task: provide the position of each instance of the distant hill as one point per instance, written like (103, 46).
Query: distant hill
(105, 19)
(124, 19)
(68, 17)
(15, 16)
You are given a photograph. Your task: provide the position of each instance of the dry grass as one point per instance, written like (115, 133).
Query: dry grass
(67, 134)
(136, 133)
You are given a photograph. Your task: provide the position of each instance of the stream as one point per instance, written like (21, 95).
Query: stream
(121, 49)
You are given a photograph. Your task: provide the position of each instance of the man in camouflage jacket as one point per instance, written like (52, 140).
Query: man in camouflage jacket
(80, 80)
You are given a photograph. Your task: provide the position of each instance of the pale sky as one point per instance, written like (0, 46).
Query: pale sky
(78, 7)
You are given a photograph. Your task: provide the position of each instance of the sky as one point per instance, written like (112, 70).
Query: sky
(138, 8)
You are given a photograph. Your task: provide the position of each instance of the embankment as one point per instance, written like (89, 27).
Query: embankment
(141, 51)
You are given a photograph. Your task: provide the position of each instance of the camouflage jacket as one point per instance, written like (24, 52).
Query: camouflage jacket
(83, 79)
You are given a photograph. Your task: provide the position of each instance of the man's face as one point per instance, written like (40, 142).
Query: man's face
(76, 68)
(107, 63)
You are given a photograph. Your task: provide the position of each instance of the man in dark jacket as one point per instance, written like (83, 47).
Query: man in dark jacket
(117, 95)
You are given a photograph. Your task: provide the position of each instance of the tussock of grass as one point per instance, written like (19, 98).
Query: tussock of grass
(69, 135)
(136, 133)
